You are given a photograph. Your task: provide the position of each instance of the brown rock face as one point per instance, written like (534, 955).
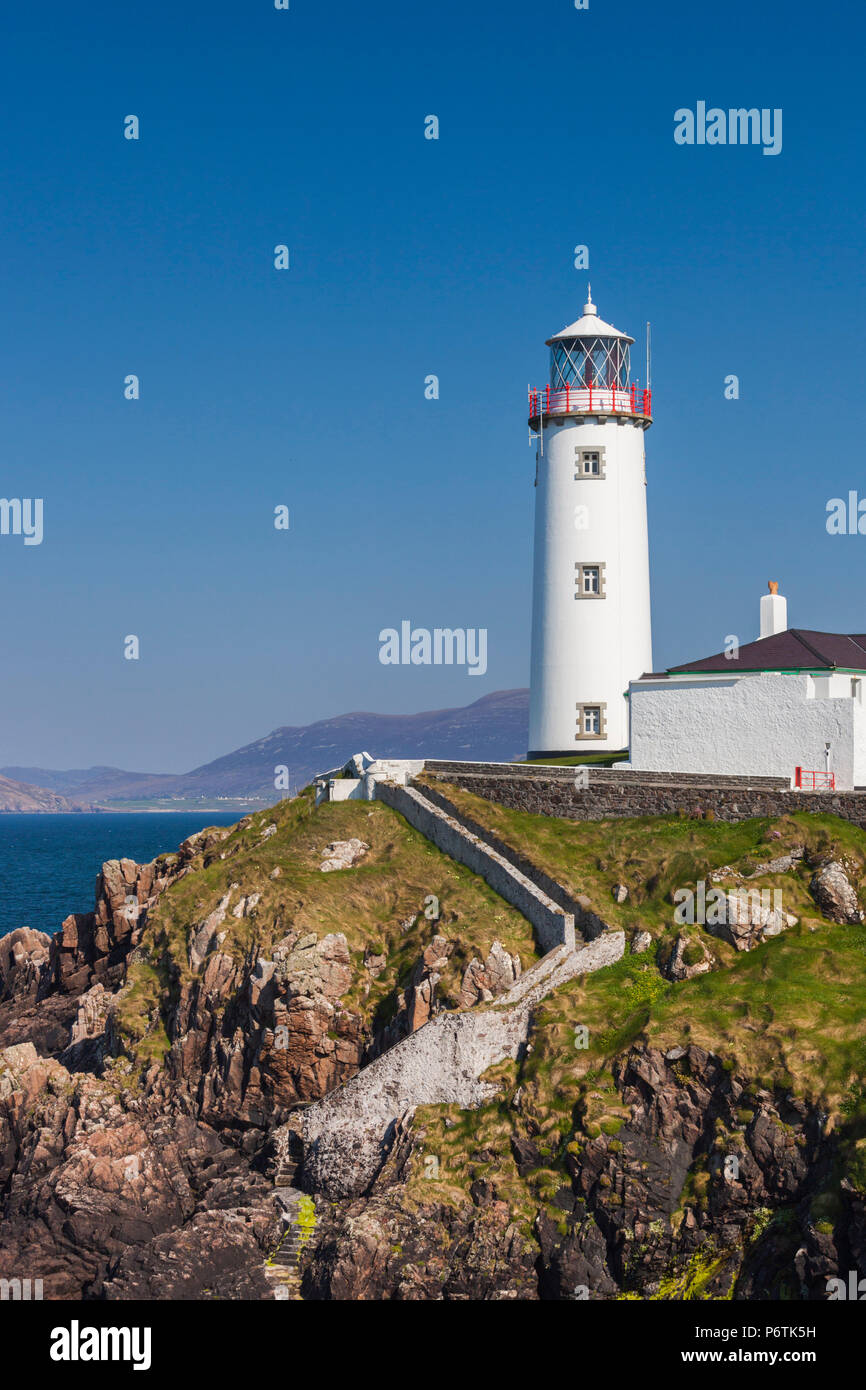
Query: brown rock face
(756, 1150)
(630, 1219)
(383, 1248)
(97, 1183)
(24, 956)
(94, 945)
(252, 1040)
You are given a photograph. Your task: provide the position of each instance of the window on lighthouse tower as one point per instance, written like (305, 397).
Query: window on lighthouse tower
(588, 463)
(590, 722)
(589, 580)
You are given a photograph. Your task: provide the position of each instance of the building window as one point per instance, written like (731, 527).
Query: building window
(590, 722)
(588, 463)
(589, 580)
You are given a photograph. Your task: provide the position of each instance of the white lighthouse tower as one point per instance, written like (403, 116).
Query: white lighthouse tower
(591, 597)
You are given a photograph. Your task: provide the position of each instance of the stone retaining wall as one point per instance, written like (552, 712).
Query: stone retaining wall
(553, 926)
(610, 776)
(587, 923)
(546, 796)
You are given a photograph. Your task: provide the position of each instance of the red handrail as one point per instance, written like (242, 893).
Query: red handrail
(817, 782)
(562, 402)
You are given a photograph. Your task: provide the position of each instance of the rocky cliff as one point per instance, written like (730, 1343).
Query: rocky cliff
(647, 1136)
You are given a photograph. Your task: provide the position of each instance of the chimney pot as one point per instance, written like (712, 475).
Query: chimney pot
(774, 611)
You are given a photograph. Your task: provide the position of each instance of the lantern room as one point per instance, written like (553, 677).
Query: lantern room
(589, 353)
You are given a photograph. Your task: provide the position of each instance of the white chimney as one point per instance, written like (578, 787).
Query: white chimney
(774, 611)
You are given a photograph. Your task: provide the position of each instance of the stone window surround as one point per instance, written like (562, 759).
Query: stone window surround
(579, 475)
(580, 566)
(601, 706)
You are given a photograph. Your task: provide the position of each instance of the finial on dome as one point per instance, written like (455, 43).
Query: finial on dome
(589, 307)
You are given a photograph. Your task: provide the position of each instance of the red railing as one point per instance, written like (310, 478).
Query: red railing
(807, 781)
(590, 400)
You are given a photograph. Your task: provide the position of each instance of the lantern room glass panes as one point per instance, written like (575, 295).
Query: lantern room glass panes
(582, 362)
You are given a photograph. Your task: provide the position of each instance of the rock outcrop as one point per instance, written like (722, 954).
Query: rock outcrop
(833, 892)
(107, 1195)
(485, 980)
(342, 854)
(24, 963)
(745, 920)
(688, 957)
(94, 945)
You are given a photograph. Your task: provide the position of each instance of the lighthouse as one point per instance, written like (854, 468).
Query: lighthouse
(591, 596)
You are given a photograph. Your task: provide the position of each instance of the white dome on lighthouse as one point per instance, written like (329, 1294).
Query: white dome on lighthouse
(589, 326)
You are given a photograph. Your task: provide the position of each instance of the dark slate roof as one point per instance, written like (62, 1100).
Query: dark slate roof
(793, 650)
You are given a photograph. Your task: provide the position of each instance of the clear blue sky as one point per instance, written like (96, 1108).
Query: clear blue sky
(409, 257)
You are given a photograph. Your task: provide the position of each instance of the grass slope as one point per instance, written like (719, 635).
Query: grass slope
(369, 903)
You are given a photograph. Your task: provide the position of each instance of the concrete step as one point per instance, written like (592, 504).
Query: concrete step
(285, 1284)
(286, 1255)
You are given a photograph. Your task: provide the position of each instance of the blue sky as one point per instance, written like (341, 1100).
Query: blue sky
(409, 257)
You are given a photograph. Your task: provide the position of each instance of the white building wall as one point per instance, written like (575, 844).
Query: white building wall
(858, 707)
(761, 725)
(585, 651)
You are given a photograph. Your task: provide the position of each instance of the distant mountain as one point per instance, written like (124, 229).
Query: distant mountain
(22, 796)
(496, 728)
(103, 779)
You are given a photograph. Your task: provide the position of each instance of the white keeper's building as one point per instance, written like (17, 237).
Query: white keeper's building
(789, 704)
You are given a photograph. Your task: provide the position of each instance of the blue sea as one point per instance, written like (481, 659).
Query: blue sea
(49, 864)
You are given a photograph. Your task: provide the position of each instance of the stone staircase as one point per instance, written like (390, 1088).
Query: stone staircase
(281, 1269)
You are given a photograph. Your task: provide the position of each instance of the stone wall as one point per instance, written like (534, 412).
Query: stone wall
(553, 926)
(609, 776)
(557, 796)
(587, 923)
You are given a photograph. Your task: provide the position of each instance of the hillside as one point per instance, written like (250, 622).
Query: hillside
(23, 796)
(687, 1123)
(492, 728)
